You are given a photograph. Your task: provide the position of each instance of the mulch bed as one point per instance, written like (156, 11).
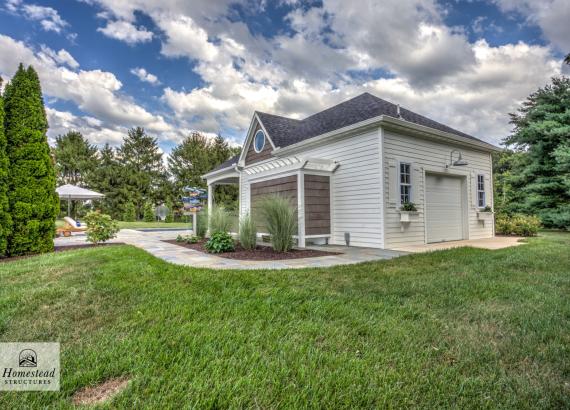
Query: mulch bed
(61, 249)
(261, 253)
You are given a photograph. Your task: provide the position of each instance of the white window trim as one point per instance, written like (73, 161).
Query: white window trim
(481, 191)
(400, 163)
(255, 137)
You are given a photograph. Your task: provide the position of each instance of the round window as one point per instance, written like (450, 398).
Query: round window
(259, 141)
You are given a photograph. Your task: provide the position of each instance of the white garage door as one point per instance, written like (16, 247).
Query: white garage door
(444, 214)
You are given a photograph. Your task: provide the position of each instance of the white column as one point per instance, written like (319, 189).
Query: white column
(301, 209)
(210, 203)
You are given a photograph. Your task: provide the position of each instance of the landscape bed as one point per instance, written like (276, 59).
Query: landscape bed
(260, 253)
(460, 328)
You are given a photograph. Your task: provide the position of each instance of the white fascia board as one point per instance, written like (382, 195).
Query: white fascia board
(232, 169)
(378, 121)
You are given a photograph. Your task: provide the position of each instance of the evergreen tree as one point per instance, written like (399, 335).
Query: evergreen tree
(108, 179)
(5, 219)
(75, 158)
(130, 214)
(143, 170)
(148, 213)
(542, 129)
(33, 201)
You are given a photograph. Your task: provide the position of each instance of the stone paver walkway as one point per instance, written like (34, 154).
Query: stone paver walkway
(152, 242)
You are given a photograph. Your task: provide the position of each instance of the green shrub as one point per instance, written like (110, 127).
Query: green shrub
(280, 220)
(202, 223)
(187, 238)
(408, 207)
(220, 220)
(247, 232)
(148, 213)
(220, 242)
(130, 214)
(100, 227)
(170, 213)
(518, 224)
(487, 209)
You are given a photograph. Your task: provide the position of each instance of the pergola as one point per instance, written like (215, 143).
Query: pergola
(72, 192)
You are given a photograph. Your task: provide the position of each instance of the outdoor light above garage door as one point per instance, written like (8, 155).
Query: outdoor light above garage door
(460, 161)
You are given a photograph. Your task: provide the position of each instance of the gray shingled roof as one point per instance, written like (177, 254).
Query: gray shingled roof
(228, 163)
(287, 131)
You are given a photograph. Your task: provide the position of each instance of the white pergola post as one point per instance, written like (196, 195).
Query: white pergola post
(301, 209)
(210, 202)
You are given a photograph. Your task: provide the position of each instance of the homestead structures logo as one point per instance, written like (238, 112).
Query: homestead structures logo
(29, 366)
(28, 358)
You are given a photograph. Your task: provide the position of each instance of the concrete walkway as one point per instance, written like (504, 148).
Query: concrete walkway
(498, 242)
(152, 242)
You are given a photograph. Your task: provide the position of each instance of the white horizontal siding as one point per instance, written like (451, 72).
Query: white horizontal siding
(356, 191)
(428, 155)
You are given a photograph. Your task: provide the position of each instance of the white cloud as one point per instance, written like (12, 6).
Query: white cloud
(61, 57)
(126, 31)
(48, 17)
(95, 92)
(61, 122)
(331, 51)
(145, 76)
(552, 16)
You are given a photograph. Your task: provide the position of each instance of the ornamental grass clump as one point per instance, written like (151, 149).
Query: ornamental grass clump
(247, 232)
(220, 220)
(280, 220)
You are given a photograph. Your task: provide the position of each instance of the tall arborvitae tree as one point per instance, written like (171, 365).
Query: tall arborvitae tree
(542, 129)
(33, 201)
(142, 167)
(5, 219)
(75, 158)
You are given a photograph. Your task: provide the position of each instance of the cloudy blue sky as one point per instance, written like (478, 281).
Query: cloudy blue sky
(173, 66)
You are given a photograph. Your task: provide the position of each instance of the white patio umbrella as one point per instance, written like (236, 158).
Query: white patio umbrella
(72, 192)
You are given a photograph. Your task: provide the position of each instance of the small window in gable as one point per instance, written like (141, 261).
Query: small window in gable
(259, 141)
(481, 200)
(405, 183)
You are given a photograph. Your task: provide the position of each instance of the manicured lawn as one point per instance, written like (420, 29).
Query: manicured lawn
(465, 328)
(142, 224)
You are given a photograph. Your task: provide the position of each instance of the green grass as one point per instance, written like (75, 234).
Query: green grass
(142, 224)
(464, 328)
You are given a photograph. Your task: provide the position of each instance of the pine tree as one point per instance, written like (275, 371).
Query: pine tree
(33, 201)
(108, 179)
(149, 213)
(75, 158)
(5, 219)
(542, 130)
(142, 167)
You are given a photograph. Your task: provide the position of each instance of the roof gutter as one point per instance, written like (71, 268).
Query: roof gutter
(381, 120)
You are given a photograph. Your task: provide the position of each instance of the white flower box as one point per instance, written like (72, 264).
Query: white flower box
(485, 216)
(408, 216)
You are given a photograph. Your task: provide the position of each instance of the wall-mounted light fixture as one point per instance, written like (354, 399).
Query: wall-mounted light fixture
(460, 162)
